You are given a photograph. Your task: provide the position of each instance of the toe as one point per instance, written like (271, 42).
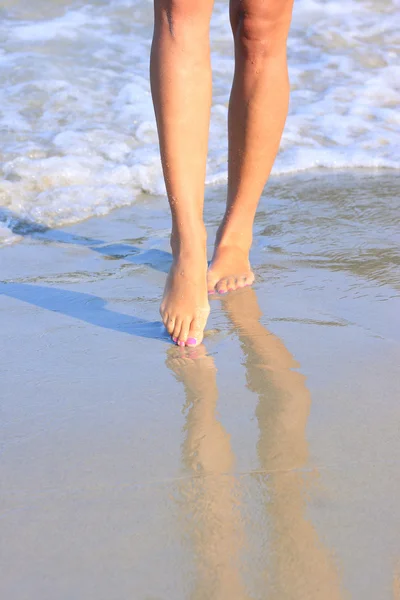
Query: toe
(221, 286)
(241, 281)
(183, 336)
(177, 330)
(250, 279)
(231, 284)
(196, 332)
(170, 325)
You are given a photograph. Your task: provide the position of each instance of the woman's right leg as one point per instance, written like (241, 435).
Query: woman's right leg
(180, 72)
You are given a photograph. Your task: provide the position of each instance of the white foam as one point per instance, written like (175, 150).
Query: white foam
(68, 26)
(7, 237)
(76, 118)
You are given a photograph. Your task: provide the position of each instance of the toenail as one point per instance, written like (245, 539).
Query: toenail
(191, 341)
(222, 291)
(175, 339)
(181, 343)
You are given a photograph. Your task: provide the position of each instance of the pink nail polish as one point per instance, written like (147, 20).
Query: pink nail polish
(191, 341)
(222, 292)
(181, 344)
(175, 340)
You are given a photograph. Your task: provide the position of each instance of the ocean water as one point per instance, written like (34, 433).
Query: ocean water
(263, 465)
(78, 135)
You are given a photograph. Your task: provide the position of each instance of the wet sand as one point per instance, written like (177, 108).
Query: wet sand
(263, 465)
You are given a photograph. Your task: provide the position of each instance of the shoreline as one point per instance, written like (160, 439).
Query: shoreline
(263, 462)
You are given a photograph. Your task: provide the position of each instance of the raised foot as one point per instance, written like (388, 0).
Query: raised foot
(229, 270)
(184, 308)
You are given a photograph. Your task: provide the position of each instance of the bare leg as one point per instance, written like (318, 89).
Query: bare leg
(257, 113)
(181, 87)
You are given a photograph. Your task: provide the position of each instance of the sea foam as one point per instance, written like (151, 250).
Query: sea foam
(77, 122)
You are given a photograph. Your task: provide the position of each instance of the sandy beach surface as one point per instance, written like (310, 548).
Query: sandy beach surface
(262, 465)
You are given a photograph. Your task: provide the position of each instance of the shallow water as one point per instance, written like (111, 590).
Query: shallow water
(262, 465)
(76, 119)
(265, 463)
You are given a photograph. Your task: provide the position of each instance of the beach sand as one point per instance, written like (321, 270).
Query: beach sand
(262, 465)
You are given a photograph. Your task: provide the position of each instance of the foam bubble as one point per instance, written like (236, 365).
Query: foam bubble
(78, 130)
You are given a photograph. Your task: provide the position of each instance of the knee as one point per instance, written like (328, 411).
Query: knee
(260, 29)
(183, 17)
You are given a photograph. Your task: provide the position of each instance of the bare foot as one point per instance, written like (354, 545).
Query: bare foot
(184, 307)
(229, 270)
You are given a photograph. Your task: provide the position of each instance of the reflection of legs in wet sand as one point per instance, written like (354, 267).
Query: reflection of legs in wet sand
(396, 581)
(210, 497)
(300, 566)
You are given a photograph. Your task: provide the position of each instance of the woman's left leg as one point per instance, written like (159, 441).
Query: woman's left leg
(257, 113)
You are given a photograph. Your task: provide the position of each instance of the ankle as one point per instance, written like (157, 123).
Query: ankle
(239, 238)
(189, 243)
